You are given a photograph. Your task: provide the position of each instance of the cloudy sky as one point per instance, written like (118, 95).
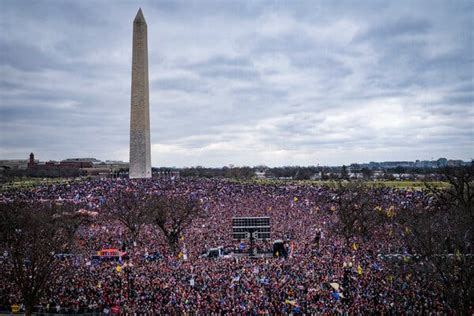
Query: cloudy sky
(241, 82)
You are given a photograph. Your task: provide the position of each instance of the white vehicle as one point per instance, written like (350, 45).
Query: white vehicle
(217, 252)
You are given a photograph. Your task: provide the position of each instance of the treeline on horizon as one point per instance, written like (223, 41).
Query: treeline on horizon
(244, 172)
(294, 172)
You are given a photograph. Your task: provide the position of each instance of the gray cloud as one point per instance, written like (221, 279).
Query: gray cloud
(261, 82)
(390, 30)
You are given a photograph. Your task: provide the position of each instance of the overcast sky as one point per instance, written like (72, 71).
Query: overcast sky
(241, 82)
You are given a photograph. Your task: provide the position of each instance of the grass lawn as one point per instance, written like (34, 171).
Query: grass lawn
(417, 185)
(25, 183)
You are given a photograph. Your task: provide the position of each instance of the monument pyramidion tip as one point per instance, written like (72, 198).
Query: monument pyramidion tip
(139, 18)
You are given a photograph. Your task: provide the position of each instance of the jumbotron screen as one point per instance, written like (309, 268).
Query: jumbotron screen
(242, 227)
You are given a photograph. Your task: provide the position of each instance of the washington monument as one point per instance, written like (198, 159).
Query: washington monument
(140, 156)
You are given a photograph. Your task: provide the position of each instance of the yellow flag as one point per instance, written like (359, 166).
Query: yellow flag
(118, 268)
(359, 269)
(295, 199)
(355, 246)
(458, 255)
(391, 212)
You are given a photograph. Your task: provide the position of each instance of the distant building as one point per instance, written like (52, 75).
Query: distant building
(89, 166)
(442, 162)
(455, 163)
(75, 163)
(113, 165)
(356, 175)
(54, 165)
(403, 176)
(378, 174)
(396, 164)
(260, 174)
(426, 164)
(81, 160)
(31, 162)
(423, 164)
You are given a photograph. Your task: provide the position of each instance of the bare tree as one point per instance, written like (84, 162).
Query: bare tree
(460, 194)
(130, 208)
(438, 229)
(172, 215)
(31, 235)
(344, 173)
(355, 210)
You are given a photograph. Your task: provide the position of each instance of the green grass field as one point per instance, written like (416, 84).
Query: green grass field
(412, 184)
(28, 183)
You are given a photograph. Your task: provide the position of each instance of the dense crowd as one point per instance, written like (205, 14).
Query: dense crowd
(321, 274)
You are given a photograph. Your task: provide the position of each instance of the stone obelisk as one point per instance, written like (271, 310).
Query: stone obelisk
(140, 156)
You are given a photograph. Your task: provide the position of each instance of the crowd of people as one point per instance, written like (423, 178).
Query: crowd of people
(321, 273)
